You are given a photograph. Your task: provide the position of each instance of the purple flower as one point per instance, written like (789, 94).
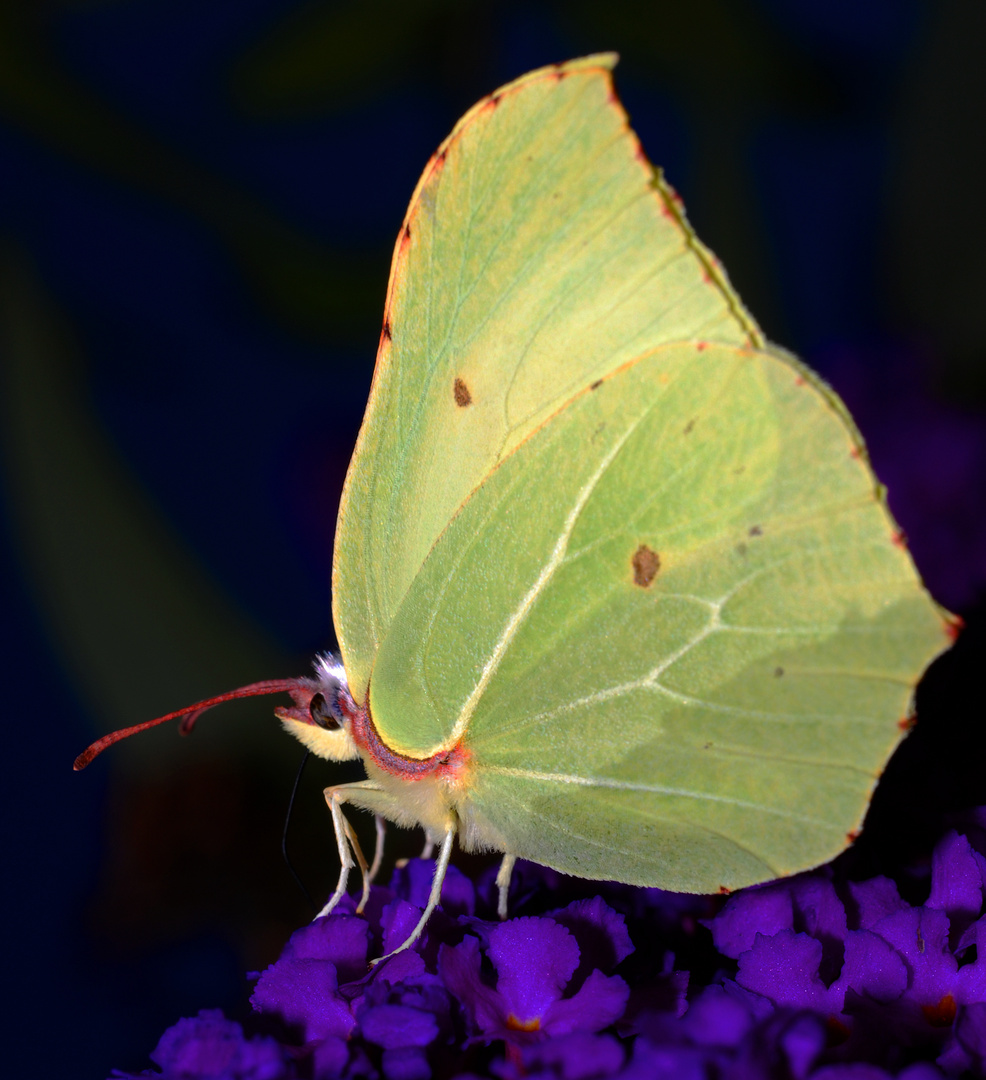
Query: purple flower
(578, 1056)
(653, 1062)
(833, 980)
(601, 934)
(874, 900)
(957, 876)
(535, 960)
(410, 1013)
(793, 945)
(412, 882)
(301, 987)
(210, 1047)
(806, 903)
(784, 968)
(966, 1047)
(727, 1035)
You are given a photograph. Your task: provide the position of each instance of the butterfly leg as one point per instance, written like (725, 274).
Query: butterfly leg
(381, 825)
(441, 866)
(348, 846)
(503, 883)
(360, 858)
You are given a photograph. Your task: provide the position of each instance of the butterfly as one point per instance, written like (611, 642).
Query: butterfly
(614, 586)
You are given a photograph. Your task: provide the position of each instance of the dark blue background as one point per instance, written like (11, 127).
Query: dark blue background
(199, 201)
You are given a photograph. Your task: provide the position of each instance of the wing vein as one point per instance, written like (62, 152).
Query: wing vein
(554, 561)
(612, 784)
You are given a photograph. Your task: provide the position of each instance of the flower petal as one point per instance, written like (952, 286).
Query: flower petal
(579, 1056)
(209, 1045)
(872, 967)
(303, 993)
(459, 967)
(715, 1018)
(398, 1025)
(534, 959)
(412, 882)
(784, 968)
(957, 881)
(601, 933)
(341, 939)
(760, 910)
(599, 1003)
(875, 899)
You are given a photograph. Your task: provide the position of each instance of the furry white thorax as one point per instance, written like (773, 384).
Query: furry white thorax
(330, 673)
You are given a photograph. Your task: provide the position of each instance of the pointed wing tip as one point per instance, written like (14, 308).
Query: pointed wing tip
(607, 60)
(602, 62)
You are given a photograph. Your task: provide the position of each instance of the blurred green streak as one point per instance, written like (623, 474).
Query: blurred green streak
(140, 625)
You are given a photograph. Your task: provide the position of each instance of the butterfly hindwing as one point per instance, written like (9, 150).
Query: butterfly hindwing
(678, 608)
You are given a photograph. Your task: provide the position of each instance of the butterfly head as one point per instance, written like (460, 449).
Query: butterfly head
(323, 711)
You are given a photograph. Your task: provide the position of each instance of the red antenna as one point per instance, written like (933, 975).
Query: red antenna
(191, 713)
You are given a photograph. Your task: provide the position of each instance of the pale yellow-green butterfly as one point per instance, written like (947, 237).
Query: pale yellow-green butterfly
(614, 586)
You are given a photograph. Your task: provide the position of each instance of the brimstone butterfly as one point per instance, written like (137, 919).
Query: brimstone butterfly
(614, 587)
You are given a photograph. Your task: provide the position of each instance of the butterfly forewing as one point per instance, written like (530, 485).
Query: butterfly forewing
(539, 253)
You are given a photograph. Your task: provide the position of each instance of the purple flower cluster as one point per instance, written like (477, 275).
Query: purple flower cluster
(810, 978)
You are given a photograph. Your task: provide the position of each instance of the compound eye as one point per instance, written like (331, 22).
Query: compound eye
(322, 714)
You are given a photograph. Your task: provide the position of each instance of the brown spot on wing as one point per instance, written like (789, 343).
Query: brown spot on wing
(646, 564)
(778, 672)
(755, 530)
(436, 165)
(461, 394)
(596, 384)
